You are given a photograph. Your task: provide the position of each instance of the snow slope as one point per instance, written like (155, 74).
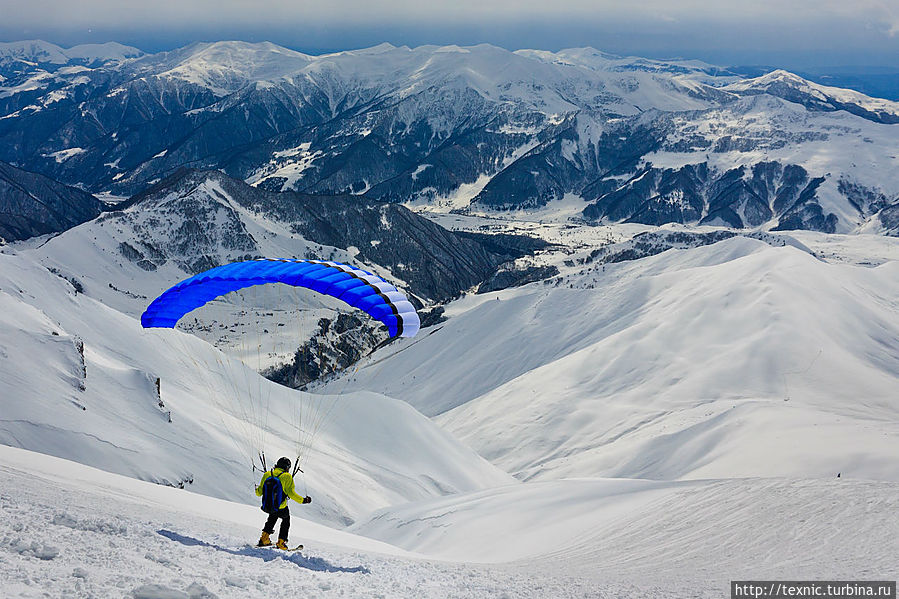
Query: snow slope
(647, 530)
(693, 537)
(68, 530)
(734, 359)
(101, 408)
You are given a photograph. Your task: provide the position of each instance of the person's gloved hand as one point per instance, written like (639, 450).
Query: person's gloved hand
(307, 499)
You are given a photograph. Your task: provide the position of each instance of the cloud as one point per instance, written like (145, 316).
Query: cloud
(729, 31)
(106, 13)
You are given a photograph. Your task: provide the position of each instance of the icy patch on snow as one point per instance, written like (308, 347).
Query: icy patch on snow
(419, 170)
(288, 164)
(63, 155)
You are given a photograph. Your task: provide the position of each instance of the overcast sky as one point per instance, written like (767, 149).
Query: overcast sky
(789, 33)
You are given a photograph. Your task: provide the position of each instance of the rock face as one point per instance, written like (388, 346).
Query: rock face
(337, 345)
(739, 198)
(639, 140)
(31, 204)
(889, 219)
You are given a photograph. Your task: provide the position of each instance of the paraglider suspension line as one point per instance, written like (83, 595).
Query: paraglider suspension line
(261, 461)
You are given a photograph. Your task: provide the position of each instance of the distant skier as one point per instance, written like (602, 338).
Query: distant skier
(275, 489)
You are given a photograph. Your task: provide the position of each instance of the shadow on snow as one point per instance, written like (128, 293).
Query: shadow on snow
(266, 554)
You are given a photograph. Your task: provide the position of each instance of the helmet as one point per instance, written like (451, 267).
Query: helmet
(283, 464)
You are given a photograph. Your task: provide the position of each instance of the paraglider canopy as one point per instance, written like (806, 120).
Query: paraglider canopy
(356, 287)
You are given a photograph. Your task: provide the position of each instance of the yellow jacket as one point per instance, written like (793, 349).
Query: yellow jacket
(286, 484)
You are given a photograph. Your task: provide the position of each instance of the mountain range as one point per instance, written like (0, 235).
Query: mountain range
(636, 374)
(476, 128)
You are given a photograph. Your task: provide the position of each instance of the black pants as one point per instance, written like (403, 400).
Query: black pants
(284, 514)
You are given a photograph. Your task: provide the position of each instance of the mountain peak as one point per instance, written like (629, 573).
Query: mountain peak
(452, 48)
(43, 52)
(382, 47)
(226, 66)
(103, 52)
(37, 51)
(792, 87)
(782, 75)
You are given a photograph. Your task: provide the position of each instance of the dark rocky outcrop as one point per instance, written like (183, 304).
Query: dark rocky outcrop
(517, 277)
(32, 204)
(739, 198)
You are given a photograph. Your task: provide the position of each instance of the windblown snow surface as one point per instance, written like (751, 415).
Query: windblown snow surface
(733, 359)
(648, 428)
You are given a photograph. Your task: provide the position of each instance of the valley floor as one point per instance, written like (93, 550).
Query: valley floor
(68, 530)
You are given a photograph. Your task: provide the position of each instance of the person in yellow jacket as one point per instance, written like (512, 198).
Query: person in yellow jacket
(282, 472)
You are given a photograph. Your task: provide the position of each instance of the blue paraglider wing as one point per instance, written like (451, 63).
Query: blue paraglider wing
(354, 286)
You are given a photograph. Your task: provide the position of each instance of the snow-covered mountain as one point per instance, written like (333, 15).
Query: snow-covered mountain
(31, 204)
(817, 97)
(72, 304)
(195, 220)
(477, 127)
(690, 373)
(82, 380)
(732, 359)
(33, 53)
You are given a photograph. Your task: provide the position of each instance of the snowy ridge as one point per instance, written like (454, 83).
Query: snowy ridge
(96, 402)
(671, 367)
(225, 67)
(40, 51)
(826, 97)
(596, 60)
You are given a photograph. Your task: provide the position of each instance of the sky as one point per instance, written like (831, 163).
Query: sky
(786, 33)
